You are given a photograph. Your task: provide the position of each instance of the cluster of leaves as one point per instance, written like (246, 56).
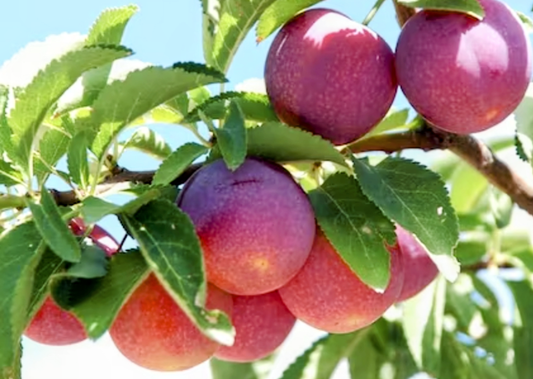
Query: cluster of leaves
(80, 105)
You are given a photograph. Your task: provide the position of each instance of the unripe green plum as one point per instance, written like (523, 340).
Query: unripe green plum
(54, 326)
(261, 324)
(255, 224)
(330, 75)
(461, 74)
(419, 269)
(329, 296)
(153, 332)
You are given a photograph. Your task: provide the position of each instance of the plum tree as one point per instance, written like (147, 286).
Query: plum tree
(255, 224)
(329, 296)
(261, 324)
(152, 331)
(313, 66)
(52, 325)
(419, 269)
(461, 74)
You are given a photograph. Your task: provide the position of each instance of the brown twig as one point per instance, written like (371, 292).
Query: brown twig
(470, 149)
(403, 13)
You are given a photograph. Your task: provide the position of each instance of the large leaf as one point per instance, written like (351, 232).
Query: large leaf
(109, 27)
(277, 14)
(417, 199)
(20, 250)
(254, 106)
(148, 141)
(470, 7)
(320, 360)
(169, 243)
(355, 227)
(98, 311)
(78, 164)
(231, 138)
(35, 101)
(53, 229)
(236, 18)
(283, 143)
(259, 369)
(177, 162)
(422, 321)
(122, 102)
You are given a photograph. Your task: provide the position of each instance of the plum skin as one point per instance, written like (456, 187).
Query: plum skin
(153, 332)
(464, 75)
(329, 296)
(419, 269)
(262, 323)
(255, 224)
(54, 326)
(330, 75)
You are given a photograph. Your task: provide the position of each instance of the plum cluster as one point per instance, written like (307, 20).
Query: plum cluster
(267, 261)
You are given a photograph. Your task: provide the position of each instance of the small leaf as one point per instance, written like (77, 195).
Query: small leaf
(233, 22)
(282, 143)
(231, 138)
(523, 330)
(109, 27)
(177, 162)
(168, 242)
(122, 102)
(467, 187)
(53, 229)
(254, 106)
(146, 140)
(277, 14)
(393, 120)
(9, 175)
(93, 264)
(321, 359)
(422, 322)
(355, 227)
(98, 311)
(502, 207)
(78, 165)
(524, 125)
(470, 7)
(417, 199)
(48, 86)
(526, 21)
(20, 251)
(52, 147)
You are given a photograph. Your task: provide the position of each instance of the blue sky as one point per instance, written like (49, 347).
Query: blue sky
(163, 32)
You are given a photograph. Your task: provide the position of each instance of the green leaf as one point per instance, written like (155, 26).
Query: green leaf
(236, 18)
(109, 27)
(20, 250)
(52, 147)
(365, 361)
(5, 130)
(321, 359)
(9, 175)
(146, 140)
(53, 229)
(470, 7)
(467, 187)
(393, 120)
(78, 164)
(33, 104)
(526, 21)
(177, 162)
(259, 369)
(282, 143)
(277, 14)
(93, 264)
(524, 125)
(422, 322)
(355, 227)
(122, 102)
(231, 138)
(168, 242)
(254, 106)
(417, 199)
(98, 311)
(523, 329)
(95, 208)
(502, 207)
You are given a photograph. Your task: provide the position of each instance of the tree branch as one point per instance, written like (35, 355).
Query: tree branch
(470, 149)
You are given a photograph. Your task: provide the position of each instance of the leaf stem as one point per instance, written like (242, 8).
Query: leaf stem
(373, 12)
(12, 201)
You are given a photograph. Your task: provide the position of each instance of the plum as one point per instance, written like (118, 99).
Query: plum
(330, 75)
(152, 331)
(461, 74)
(255, 224)
(329, 296)
(261, 324)
(54, 326)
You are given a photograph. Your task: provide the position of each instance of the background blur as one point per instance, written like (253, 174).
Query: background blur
(161, 33)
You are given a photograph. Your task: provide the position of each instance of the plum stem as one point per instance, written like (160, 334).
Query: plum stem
(373, 12)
